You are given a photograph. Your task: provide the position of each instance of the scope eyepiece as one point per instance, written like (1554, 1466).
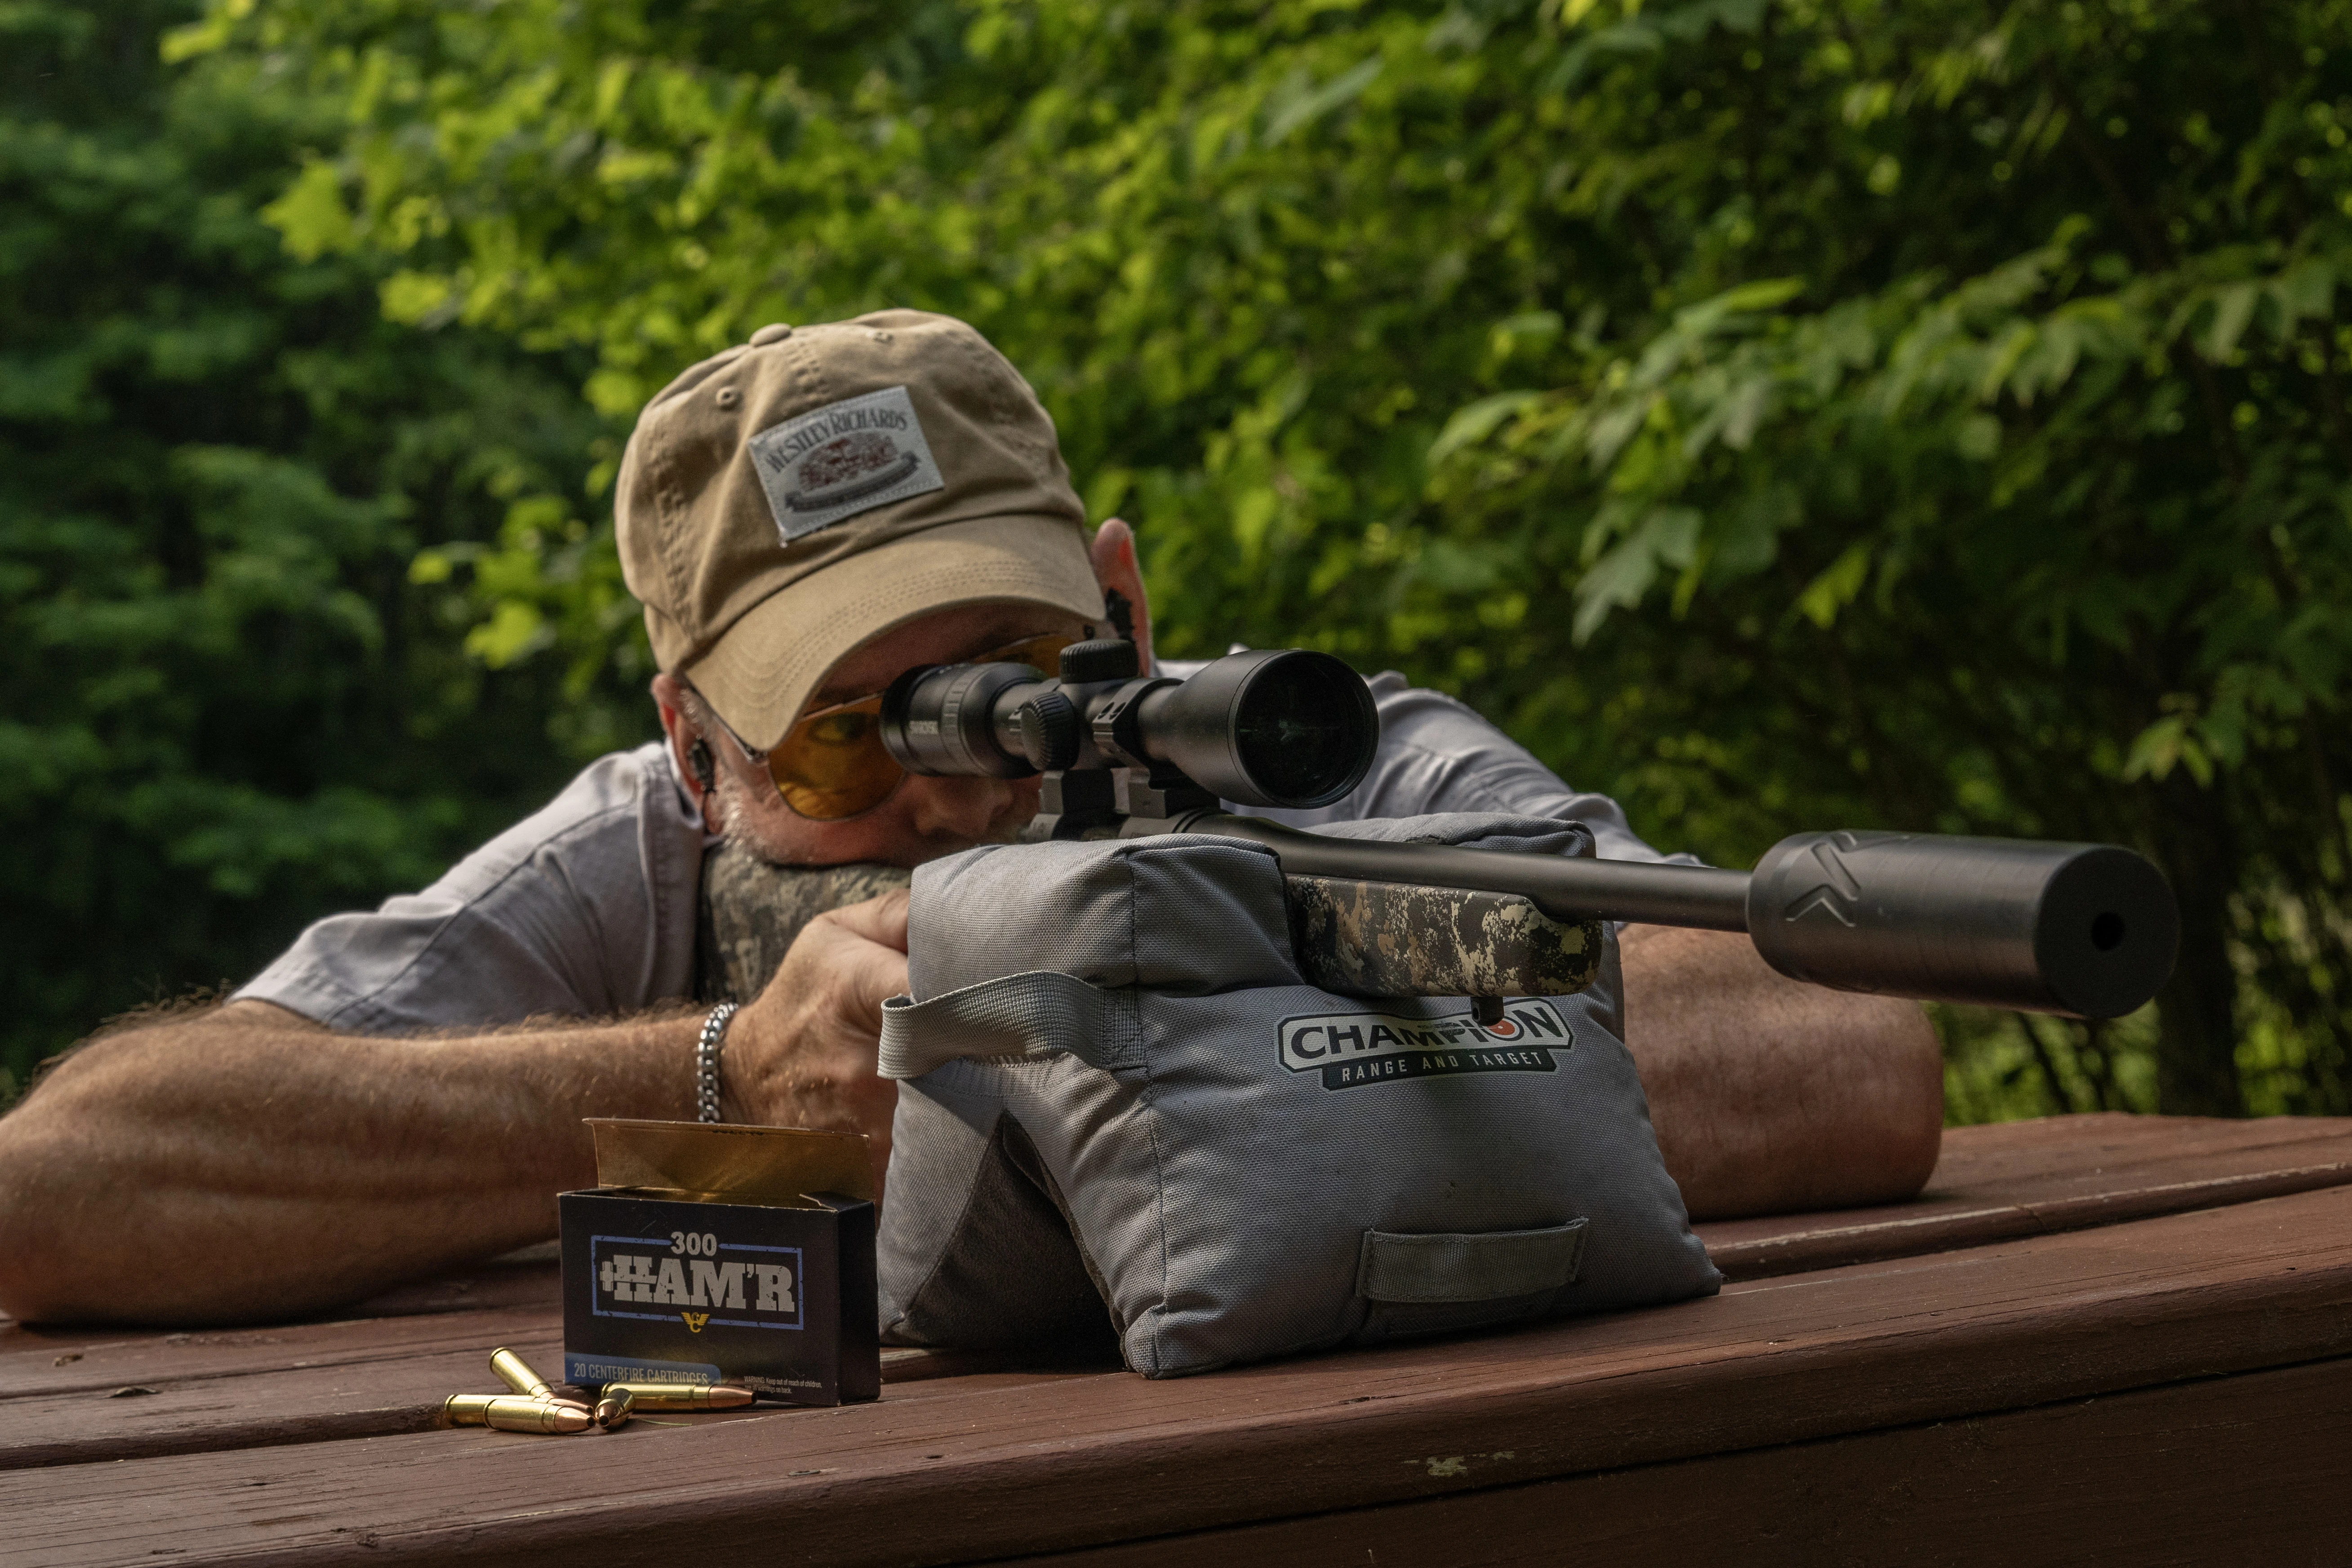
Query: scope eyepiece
(1270, 727)
(940, 718)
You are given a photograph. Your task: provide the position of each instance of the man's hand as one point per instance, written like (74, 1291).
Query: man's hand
(803, 1053)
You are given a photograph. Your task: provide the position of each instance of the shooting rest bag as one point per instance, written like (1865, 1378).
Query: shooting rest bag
(1120, 1106)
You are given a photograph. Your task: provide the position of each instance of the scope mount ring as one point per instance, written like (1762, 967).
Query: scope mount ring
(1112, 724)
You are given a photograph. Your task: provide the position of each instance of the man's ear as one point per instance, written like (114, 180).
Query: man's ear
(669, 698)
(1115, 569)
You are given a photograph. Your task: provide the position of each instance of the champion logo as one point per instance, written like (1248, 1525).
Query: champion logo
(1352, 1048)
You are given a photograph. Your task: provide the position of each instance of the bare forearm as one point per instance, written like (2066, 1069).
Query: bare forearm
(245, 1165)
(1769, 1096)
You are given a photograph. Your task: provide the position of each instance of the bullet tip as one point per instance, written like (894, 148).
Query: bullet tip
(612, 1410)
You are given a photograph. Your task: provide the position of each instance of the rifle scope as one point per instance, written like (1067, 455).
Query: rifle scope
(1269, 728)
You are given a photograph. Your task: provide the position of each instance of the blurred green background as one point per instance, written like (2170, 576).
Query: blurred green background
(1776, 413)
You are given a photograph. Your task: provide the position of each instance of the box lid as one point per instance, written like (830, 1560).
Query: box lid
(779, 1166)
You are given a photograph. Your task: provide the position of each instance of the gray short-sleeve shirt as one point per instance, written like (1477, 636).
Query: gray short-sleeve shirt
(587, 907)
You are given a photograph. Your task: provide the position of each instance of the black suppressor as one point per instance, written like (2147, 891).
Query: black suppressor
(1281, 727)
(2088, 929)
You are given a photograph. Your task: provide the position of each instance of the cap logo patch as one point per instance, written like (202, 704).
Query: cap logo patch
(841, 459)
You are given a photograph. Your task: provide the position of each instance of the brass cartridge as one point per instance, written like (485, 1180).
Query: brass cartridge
(467, 1409)
(514, 1413)
(645, 1396)
(517, 1414)
(612, 1410)
(516, 1373)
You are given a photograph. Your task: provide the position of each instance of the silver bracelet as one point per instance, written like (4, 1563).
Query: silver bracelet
(706, 1061)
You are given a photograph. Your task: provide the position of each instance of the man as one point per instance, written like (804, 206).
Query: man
(804, 517)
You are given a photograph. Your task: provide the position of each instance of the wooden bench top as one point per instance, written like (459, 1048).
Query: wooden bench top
(2106, 1259)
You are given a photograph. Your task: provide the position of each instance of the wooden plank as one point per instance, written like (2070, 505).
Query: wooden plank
(197, 1356)
(1087, 1460)
(526, 1278)
(2069, 1145)
(210, 1392)
(2239, 1469)
(206, 1355)
(531, 1278)
(318, 1404)
(2062, 1172)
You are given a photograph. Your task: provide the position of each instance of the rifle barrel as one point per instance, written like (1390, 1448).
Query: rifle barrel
(2085, 930)
(1564, 889)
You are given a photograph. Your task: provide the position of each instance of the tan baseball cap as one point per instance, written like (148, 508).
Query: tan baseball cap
(782, 502)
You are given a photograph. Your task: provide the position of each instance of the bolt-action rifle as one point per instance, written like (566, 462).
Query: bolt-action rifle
(2085, 930)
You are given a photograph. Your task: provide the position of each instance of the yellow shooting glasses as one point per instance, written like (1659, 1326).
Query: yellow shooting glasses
(832, 764)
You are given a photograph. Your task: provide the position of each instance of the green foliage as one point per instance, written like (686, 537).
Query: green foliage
(1787, 414)
(227, 712)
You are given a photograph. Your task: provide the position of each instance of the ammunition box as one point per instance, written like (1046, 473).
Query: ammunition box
(715, 1253)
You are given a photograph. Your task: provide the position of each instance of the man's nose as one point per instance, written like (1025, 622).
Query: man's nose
(961, 808)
